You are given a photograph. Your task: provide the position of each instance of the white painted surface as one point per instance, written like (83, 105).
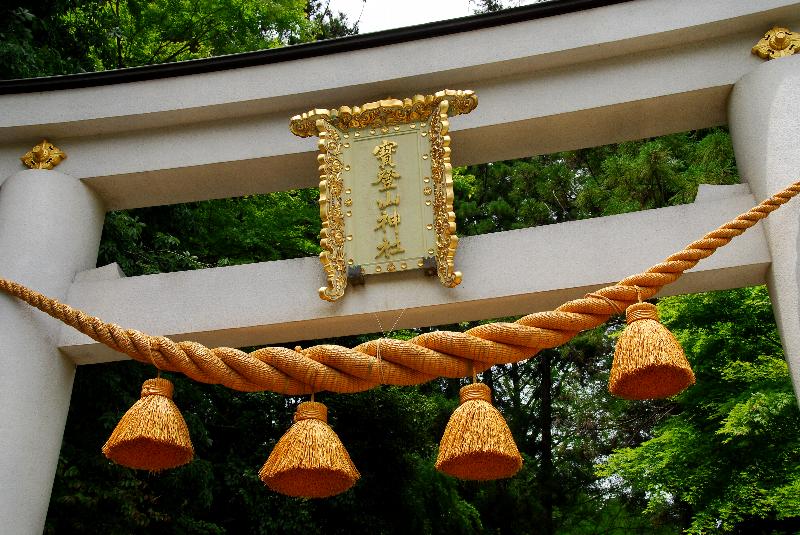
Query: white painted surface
(765, 124)
(505, 273)
(50, 227)
(610, 74)
(584, 36)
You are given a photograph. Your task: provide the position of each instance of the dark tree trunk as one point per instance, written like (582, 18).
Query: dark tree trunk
(546, 488)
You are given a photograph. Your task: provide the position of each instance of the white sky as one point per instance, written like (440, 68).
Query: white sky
(385, 14)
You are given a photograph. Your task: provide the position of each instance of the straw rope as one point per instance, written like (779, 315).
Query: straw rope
(421, 359)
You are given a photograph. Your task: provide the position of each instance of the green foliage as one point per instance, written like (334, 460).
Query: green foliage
(616, 517)
(325, 23)
(392, 434)
(32, 44)
(730, 455)
(52, 37)
(608, 180)
(212, 233)
(144, 33)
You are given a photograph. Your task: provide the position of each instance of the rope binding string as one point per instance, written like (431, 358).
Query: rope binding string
(421, 359)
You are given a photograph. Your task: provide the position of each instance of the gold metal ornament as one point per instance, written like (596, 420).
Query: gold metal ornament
(444, 216)
(332, 236)
(45, 155)
(384, 113)
(777, 43)
(386, 189)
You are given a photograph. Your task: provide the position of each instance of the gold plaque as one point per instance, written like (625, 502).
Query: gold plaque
(386, 190)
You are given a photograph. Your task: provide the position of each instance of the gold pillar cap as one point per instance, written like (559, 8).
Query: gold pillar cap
(45, 155)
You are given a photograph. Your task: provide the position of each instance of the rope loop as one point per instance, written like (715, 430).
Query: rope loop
(389, 361)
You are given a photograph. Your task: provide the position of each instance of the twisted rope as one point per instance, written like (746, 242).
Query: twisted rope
(423, 358)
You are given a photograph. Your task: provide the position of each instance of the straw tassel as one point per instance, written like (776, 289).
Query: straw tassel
(648, 362)
(477, 443)
(152, 435)
(309, 460)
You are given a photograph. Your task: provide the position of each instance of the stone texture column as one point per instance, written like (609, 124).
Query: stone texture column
(50, 226)
(764, 119)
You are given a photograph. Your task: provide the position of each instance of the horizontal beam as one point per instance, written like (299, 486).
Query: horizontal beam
(635, 70)
(629, 29)
(505, 274)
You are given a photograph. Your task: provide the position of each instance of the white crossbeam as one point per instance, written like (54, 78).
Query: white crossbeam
(620, 72)
(506, 273)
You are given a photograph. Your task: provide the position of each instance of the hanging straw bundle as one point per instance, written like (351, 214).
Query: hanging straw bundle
(309, 460)
(477, 443)
(648, 362)
(152, 435)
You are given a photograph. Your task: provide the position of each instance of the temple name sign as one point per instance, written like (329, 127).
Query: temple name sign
(386, 189)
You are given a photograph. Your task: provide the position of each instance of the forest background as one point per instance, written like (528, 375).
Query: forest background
(722, 457)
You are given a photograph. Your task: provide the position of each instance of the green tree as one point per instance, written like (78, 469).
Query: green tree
(728, 459)
(607, 180)
(67, 36)
(214, 233)
(32, 44)
(328, 24)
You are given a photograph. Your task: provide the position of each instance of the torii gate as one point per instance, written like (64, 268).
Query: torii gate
(551, 77)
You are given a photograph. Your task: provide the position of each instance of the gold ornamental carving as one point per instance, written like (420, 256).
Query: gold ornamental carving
(45, 155)
(384, 113)
(386, 188)
(777, 43)
(330, 207)
(444, 216)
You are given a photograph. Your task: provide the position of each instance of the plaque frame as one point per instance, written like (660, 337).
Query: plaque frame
(427, 111)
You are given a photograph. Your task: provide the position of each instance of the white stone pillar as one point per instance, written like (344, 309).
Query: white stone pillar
(50, 226)
(764, 119)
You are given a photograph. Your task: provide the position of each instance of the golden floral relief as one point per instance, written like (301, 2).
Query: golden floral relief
(332, 236)
(444, 221)
(777, 43)
(45, 155)
(384, 113)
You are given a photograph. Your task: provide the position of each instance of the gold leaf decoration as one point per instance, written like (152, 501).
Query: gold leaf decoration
(444, 218)
(384, 113)
(777, 43)
(330, 205)
(45, 155)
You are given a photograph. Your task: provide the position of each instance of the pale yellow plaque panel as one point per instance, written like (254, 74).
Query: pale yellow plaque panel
(387, 224)
(386, 191)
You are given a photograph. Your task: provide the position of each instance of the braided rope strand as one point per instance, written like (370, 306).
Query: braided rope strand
(421, 359)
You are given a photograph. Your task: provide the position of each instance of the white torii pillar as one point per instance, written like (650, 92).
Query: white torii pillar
(50, 226)
(764, 119)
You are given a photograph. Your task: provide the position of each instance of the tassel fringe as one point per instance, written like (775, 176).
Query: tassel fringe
(477, 443)
(309, 460)
(649, 362)
(152, 435)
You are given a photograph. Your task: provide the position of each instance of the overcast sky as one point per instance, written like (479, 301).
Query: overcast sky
(376, 15)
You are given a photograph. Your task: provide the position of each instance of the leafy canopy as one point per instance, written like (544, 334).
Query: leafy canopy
(730, 455)
(51, 37)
